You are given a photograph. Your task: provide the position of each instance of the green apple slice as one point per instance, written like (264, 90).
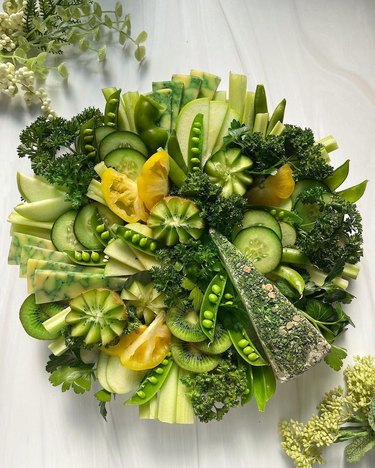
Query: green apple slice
(36, 188)
(185, 120)
(44, 210)
(120, 379)
(101, 371)
(217, 112)
(16, 218)
(231, 115)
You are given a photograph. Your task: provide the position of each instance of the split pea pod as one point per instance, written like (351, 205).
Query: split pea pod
(137, 240)
(260, 100)
(195, 145)
(277, 116)
(291, 276)
(152, 383)
(87, 141)
(282, 215)
(353, 194)
(111, 109)
(101, 232)
(338, 177)
(86, 257)
(210, 305)
(295, 256)
(249, 392)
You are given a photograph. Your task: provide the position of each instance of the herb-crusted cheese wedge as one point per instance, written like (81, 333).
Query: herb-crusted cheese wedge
(19, 240)
(291, 343)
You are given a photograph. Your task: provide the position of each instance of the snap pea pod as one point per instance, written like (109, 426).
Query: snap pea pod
(195, 144)
(289, 275)
(353, 194)
(87, 257)
(264, 384)
(277, 116)
(241, 341)
(279, 213)
(210, 305)
(138, 241)
(338, 177)
(249, 392)
(111, 109)
(146, 113)
(295, 256)
(101, 231)
(152, 383)
(87, 138)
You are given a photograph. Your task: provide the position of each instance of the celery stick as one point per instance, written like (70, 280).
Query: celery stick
(184, 407)
(220, 96)
(130, 100)
(168, 397)
(329, 143)
(248, 110)
(351, 271)
(278, 129)
(57, 322)
(237, 92)
(277, 116)
(58, 347)
(260, 124)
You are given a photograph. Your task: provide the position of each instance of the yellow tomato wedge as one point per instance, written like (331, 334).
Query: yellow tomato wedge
(145, 347)
(275, 189)
(121, 195)
(153, 180)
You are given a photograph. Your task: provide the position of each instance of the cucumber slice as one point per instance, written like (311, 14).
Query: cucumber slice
(83, 228)
(121, 139)
(258, 218)
(309, 212)
(62, 234)
(36, 188)
(289, 234)
(127, 161)
(102, 132)
(306, 184)
(44, 210)
(261, 246)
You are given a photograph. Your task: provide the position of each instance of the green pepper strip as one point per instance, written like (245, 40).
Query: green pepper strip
(151, 384)
(146, 113)
(87, 258)
(291, 276)
(111, 109)
(210, 305)
(249, 392)
(353, 194)
(277, 116)
(195, 145)
(138, 241)
(260, 100)
(338, 177)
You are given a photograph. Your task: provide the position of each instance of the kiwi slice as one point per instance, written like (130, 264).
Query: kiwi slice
(175, 219)
(185, 325)
(98, 315)
(33, 315)
(221, 342)
(187, 356)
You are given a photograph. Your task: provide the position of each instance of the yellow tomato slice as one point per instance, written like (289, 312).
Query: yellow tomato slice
(121, 195)
(145, 347)
(153, 179)
(275, 189)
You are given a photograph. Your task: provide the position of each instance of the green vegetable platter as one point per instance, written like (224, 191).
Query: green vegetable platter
(184, 248)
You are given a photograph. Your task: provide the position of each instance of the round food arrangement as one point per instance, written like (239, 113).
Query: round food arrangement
(184, 248)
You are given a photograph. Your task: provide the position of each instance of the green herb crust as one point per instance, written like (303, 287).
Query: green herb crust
(291, 343)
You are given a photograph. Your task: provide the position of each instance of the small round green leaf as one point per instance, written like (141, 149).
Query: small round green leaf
(140, 53)
(97, 10)
(142, 37)
(102, 53)
(107, 21)
(122, 37)
(63, 71)
(118, 9)
(84, 44)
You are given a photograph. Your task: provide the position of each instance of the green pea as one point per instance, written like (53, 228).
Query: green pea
(113, 101)
(252, 356)
(228, 303)
(135, 238)
(141, 394)
(78, 256)
(221, 277)
(111, 124)
(196, 130)
(165, 362)
(195, 150)
(228, 296)
(95, 256)
(88, 131)
(216, 289)
(243, 343)
(196, 168)
(195, 160)
(154, 380)
(92, 154)
(143, 242)
(248, 350)
(207, 314)
(85, 256)
(128, 234)
(153, 246)
(111, 115)
(273, 212)
(100, 228)
(88, 139)
(281, 214)
(89, 148)
(159, 370)
(213, 298)
(198, 124)
(195, 139)
(247, 391)
(105, 235)
(207, 323)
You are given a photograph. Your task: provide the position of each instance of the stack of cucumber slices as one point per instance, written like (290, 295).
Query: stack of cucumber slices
(120, 287)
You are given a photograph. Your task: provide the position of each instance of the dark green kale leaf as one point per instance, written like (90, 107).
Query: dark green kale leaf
(214, 393)
(219, 212)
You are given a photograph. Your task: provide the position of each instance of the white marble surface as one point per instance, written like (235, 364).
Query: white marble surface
(320, 56)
